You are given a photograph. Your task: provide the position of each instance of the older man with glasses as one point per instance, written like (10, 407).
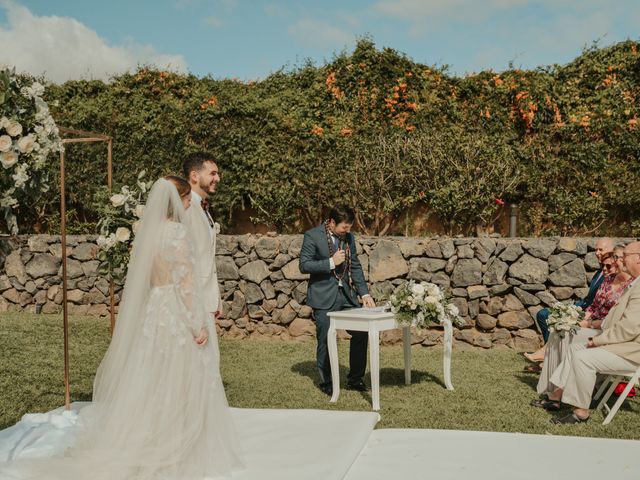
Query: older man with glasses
(616, 348)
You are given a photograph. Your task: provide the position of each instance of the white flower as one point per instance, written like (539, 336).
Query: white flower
(4, 121)
(216, 227)
(117, 200)
(8, 159)
(418, 289)
(13, 128)
(139, 210)
(453, 310)
(5, 143)
(431, 299)
(26, 144)
(135, 226)
(101, 241)
(123, 234)
(433, 290)
(20, 177)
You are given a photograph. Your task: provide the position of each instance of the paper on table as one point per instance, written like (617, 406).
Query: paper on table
(370, 311)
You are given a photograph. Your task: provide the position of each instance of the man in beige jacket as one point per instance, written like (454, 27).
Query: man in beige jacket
(616, 349)
(201, 170)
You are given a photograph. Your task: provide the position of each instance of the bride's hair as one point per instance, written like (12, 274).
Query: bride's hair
(181, 185)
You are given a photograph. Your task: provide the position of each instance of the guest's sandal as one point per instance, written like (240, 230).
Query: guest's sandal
(549, 405)
(569, 419)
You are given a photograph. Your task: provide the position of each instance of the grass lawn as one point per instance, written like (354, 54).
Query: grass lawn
(490, 393)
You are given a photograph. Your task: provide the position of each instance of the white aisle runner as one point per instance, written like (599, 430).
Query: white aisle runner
(277, 444)
(412, 454)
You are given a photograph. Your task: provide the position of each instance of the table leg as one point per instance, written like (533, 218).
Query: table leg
(448, 340)
(374, 362)
(332, 345)
(406, 343)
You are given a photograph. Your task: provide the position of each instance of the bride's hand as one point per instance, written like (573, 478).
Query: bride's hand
(202, 337)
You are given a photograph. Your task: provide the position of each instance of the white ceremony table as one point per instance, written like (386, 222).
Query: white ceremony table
(374, 321)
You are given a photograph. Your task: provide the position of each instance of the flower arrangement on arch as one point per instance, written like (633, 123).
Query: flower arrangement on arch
(564, 318)
(28, 136)
(422, 304)
(119, 216)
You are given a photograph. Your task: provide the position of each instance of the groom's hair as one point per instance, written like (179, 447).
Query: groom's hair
(194, 162)
(342, 213)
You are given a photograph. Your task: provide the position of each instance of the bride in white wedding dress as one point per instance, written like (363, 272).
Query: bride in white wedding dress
(159, 409)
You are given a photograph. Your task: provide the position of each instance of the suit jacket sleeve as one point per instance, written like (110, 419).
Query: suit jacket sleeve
(627, 328)
(356, 269)
(308, 261)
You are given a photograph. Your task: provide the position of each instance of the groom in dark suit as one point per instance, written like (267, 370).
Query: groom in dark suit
(329, 255)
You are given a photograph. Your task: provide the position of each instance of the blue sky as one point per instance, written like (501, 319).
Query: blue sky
(248, 39)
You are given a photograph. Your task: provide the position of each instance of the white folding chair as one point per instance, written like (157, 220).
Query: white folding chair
(611, 381)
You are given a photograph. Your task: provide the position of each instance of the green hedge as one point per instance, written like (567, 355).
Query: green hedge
(392, 137)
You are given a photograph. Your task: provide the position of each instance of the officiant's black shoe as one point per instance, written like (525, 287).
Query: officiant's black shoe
(326, 389)
(357, 385)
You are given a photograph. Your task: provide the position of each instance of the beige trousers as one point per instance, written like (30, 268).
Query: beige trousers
(558, 348)
(576, 374)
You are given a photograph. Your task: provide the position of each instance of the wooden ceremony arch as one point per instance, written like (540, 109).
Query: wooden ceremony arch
(77, 136)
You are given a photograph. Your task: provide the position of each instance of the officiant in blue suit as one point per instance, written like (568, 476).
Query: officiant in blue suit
(336, 281)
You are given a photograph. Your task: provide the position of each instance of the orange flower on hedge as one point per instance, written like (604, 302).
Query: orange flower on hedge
(345, 132)
(331, 80)
(317, 130)
(585, 121)
(633, 123)
(412, 106)
(522, 95)
(497, 80)
(411, 128)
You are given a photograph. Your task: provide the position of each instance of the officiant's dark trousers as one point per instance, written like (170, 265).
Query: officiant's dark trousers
(357, 348)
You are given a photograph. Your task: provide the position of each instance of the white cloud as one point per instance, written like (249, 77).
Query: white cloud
(318, 34)
(62, 48)
(213, 22)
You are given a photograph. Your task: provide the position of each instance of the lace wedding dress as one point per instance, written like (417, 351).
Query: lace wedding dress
(159, 409)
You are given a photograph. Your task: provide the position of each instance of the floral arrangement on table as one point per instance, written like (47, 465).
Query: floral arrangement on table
(422, 304)
(28, 136)
(564, 317)
(120, 214)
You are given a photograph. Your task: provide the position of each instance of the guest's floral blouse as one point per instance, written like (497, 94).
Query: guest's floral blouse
(606, 297)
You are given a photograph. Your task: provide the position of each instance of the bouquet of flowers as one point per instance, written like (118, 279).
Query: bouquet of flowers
(28, 136)
(422, 304)
(564, 317)
(120, 214)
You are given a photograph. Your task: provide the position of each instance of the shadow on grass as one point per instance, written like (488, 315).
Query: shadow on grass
(529, 379)
(388, 376)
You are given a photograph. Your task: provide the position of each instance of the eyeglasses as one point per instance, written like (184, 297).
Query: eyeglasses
(625, 254)
(608, 266)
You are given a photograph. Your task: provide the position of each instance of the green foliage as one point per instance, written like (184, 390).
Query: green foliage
(390, 136)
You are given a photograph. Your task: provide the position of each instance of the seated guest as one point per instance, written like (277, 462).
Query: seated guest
(603, 245)
(617, 348)
(615, 282)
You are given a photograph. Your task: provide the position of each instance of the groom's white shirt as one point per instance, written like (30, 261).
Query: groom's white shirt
(205, 249)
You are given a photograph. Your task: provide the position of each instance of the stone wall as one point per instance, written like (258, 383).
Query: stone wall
(498, 284)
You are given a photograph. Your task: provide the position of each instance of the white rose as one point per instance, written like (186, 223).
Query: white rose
(14, 128)
(5, 143)
(4, 121)
(418, 289)
(135, 226)
(139, 210)
(433, 290)
(26, 144)
(123, 234)
(101, 241)
(8, 159)
(117, 200)
(431, 299)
